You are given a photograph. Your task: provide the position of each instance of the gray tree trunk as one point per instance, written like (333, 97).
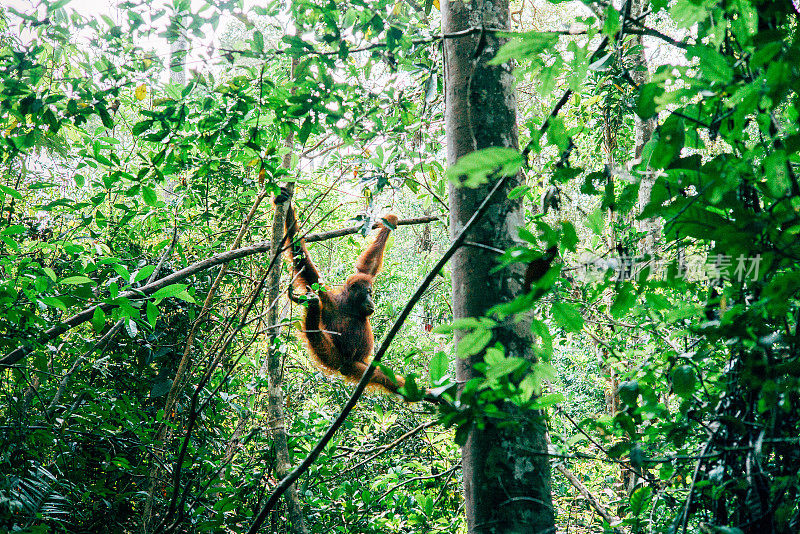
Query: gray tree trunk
(644, 129)
(273, 364)
(272, 367)
(506, 473)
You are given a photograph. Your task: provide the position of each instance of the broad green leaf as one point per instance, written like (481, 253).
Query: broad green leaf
(10, 192)
(257, 43)
(713, 64)
(152, 312)
(504, 367)
(184, 295)
(567, 316)
(624, 300)
(473, 343)
(149, 196)
(464, 323)
(612, 23)
(13, 230)
(545, 401)
(438, 366)
(54, 302)
(629, 392)
(646, 104)
(476, 167)
(169, 291)
(98, 319)
(688, 13)
(144, 272)
(684, 381)
(557, 133)
(76, 280)
(527, 45)
(10, 243)
(670, 140)
(569, 237)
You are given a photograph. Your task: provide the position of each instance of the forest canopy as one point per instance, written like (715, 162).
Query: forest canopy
(582, 266)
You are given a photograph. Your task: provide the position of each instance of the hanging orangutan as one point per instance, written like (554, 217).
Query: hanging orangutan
(336, 323)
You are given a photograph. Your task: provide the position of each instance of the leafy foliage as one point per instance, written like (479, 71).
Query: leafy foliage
(671, 387)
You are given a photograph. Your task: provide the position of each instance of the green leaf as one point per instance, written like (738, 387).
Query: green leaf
(10, 192)
(624, 300)
(504, 367)
(646, 99)
(629, 392)
(569, 237)
(670, 139)
(169, 291)
(144, 272)
(50, 273)
(464, 323)
(152, 313)
(567, 316)
(612, 23)
(684, 381)
(98, 319)
(473, 343)
(140, 127)
(518, 191)
(527, 45)
(54, 302)
(476, 166)
(184, 295)
(640, 496)
(557, 133)
(13, 229)
(764, 54)
(76, 280)
(551, 399)
(258, 42)
(10, 243)
(713, 64)
(438, 366)
(149, 196)
(688, 13)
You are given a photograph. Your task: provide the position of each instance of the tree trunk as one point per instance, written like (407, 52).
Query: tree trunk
(272, 367)
(644, 129)
(506, 474)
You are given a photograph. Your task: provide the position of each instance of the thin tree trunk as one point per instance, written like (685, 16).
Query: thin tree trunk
(272, 365)
(273, 369)
(506, 487)
(644, 129)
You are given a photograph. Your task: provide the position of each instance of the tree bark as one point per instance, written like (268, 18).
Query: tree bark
(643, 129)
(272, 367)
(273, 364)
(506, 487)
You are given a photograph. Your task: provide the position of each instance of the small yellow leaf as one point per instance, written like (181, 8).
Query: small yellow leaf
(397, 7)
(436, 5)
(141, 92)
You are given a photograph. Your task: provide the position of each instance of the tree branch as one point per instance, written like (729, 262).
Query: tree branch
(81, 317)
